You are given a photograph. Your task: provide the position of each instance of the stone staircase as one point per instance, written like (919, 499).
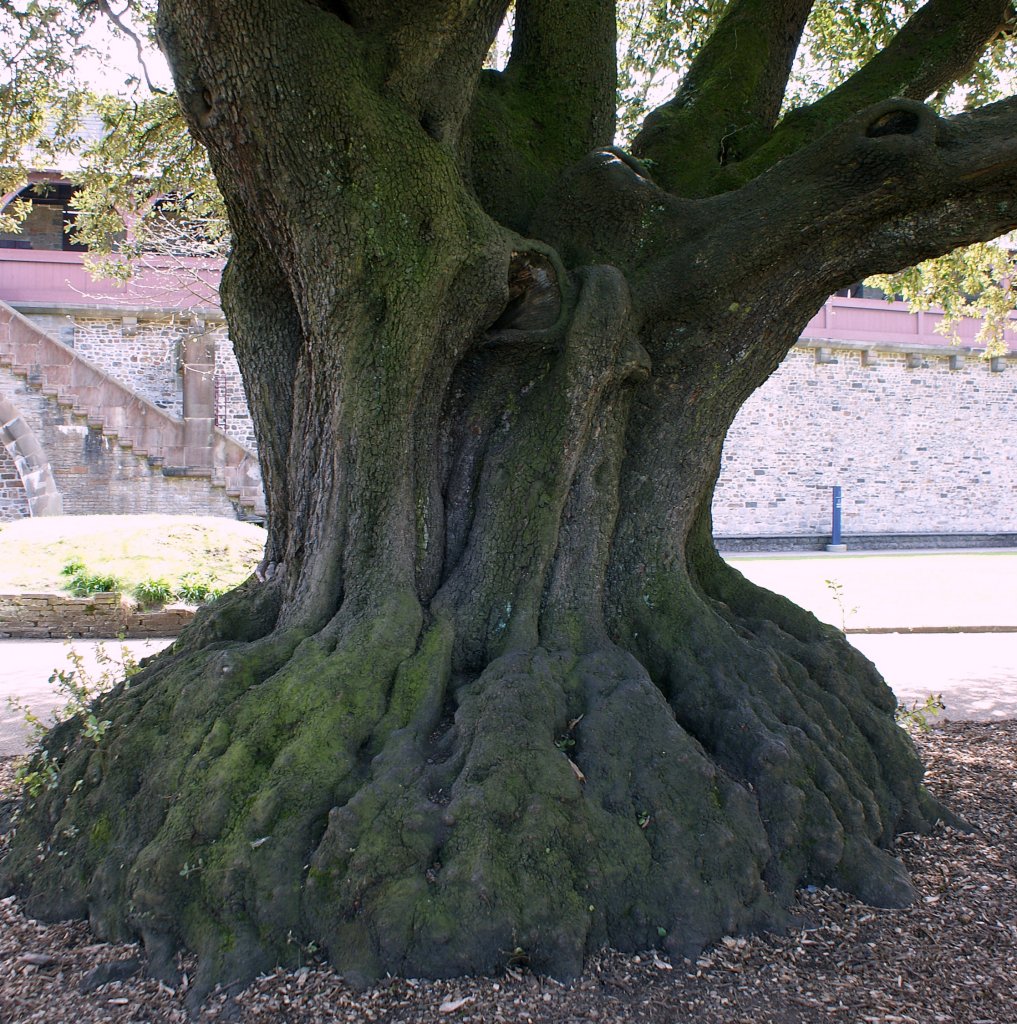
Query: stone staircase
(178, 447)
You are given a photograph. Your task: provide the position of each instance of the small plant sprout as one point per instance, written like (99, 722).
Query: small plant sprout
(189, 869)
(836, 588)
(916, 716)
(79, 687)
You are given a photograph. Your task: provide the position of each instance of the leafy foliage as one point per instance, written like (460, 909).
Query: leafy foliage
(915, 717)
(152, 593)
(81, 582)
(146, 195)
(199, 588)
(840, 37)
(40, 103)
(976, 281)
(656, 41)
(79, 688)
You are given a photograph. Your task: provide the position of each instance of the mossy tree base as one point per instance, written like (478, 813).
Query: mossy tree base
(259, 799)
(493, 695)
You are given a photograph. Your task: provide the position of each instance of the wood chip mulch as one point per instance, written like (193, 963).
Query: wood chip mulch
(949, 959)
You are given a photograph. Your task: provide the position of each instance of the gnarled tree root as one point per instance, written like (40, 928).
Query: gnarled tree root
(254, 799)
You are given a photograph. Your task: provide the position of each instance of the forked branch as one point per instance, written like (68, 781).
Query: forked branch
(935, 48)
(892, 185)
(553, 104)
(730, 97)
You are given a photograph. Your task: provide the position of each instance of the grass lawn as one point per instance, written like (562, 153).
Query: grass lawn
(131, 548)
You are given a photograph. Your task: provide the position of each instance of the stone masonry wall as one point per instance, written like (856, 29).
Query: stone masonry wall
(58, 616)
(919, 443)
(917, 446)
(145, 355)
(13, 499)
(232, 413)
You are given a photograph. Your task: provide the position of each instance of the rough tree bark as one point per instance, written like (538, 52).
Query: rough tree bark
(493, 694)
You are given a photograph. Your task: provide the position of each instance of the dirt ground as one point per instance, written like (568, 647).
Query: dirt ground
(951, 958)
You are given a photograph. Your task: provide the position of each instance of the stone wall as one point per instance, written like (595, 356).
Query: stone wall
(58, 616)
(919, 442)
(13, 499)
(145, 354)
(232, 414)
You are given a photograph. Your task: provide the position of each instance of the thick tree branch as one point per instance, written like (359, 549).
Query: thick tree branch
(566, 48)
(436, 51)
(936, 47)
(428, 54)
(553, 104)
(893, 185)
(970, 193)
(730, 98)
(890, 186)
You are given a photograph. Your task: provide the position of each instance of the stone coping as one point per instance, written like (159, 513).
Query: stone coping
(733, 544)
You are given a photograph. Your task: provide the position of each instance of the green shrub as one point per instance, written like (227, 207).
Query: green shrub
(197, 588)
(149, 593)
(82, 582)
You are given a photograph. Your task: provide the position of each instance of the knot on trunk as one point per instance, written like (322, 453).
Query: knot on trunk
(901, 118)
(534, 292)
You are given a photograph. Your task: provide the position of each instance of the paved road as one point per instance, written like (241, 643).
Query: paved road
(975, 672)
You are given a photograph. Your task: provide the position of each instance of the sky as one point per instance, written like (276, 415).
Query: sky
(116, 62)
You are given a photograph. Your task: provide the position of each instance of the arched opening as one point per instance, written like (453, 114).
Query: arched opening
(49, 225)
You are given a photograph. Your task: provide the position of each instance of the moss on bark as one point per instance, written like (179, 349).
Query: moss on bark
(493, 696)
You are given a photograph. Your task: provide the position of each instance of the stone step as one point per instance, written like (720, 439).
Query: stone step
(107, 405)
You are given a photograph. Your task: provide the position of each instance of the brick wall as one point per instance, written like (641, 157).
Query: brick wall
(918, 447)
(57, 616)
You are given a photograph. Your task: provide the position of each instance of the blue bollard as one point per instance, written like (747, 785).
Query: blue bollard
(836, 544)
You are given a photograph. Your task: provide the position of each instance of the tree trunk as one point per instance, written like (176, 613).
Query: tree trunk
(494, 697)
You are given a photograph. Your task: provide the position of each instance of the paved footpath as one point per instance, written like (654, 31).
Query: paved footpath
(25, 669)
(975, 670)
(973, 592)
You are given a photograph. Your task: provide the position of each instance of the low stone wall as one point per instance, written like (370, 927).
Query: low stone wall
(58, 616)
